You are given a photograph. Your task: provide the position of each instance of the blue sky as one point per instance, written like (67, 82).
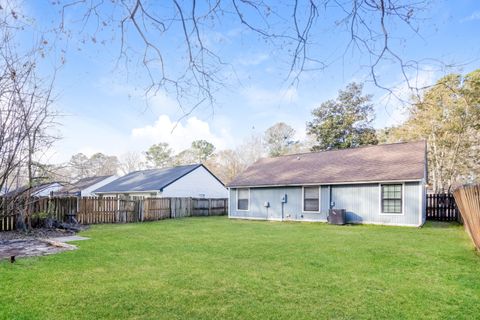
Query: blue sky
(104, 109)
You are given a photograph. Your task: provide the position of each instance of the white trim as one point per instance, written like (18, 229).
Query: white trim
(319, 200)
(236, 200)
(420, 209)
(380, 200)
(255, 218)
(326, 183)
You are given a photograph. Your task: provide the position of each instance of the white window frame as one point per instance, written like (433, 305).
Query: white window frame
(319, 199)
(380, 199)
(236, 199)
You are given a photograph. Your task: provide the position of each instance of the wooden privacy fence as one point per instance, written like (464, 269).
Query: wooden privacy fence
(442, 207)
(90, 210)
(113, 210)
(106, 210)
(468, 200)
(7, 215)
(34, 210)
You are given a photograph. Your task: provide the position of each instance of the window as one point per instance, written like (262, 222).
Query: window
(311, 199)
(391, 198)
(243, 198)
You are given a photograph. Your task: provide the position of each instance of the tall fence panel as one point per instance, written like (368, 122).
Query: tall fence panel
(156, 209)
(181, 207)
(7, 215)
(468, 200)
(442, 207)
(97, 210)
(34, 211)
(92, 210)
(218, 207)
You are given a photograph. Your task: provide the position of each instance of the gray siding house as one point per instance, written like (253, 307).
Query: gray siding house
(383, 184)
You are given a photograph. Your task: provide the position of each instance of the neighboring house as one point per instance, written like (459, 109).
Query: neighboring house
(40, 190)
(383, 184)
(85, 187)
(194, 181)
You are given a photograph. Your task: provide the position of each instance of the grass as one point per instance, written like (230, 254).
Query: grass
(215, 268)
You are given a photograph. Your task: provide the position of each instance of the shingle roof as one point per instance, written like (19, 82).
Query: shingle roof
(147, 180)
(81, 184)
(387, 162)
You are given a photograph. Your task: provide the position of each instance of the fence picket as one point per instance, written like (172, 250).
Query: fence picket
(442, 207)
(91, 210)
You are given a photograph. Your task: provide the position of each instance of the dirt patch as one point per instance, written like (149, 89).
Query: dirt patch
(31, 247)
(35, 242)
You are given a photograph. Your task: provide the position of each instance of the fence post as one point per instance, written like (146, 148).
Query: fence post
(191, 207)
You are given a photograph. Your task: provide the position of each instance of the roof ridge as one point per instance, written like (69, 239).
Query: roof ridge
(344, 149)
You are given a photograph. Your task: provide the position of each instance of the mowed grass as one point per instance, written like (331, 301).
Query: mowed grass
(215, 268)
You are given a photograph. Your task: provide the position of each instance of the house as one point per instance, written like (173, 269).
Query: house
(85, 187)
(194, 181)
(39, 190)
(383, 184)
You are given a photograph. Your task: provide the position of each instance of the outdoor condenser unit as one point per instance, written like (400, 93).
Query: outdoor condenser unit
(336, 216)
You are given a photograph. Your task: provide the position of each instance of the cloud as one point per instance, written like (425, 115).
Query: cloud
(474, 16)
(179, 135)
(252, 60)
(87, 135)
(262, 97)
(393, 108)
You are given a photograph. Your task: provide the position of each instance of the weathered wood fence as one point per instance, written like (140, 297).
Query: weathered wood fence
(442, 207)
(34, 210)
(468, 200)
(90, 210)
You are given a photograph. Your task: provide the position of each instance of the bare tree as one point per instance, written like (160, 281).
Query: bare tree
(293, 29)
(279, 139)
(226, 165)
(25, 109)
(26, 115)
(131, 161)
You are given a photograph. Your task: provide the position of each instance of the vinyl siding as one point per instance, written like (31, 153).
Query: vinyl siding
(197, 183)
(361, 201)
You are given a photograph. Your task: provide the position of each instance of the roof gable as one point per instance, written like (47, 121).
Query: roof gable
(387, 162)
(147, 180)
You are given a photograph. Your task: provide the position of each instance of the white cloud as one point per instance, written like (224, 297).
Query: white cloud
(474, 16)
(262, 97)
(252, 60)
(393, 108)
(179, 135)
(86, 135)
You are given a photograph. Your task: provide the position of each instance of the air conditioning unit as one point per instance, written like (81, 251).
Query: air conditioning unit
(336, 216)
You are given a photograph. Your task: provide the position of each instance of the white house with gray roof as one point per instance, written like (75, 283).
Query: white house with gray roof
(194, 181)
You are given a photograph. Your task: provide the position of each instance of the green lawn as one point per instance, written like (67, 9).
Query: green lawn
(206, 268)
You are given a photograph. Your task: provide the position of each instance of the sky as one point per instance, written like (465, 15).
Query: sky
(103, 107)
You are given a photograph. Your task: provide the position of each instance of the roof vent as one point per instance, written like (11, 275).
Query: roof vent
(298, 157)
